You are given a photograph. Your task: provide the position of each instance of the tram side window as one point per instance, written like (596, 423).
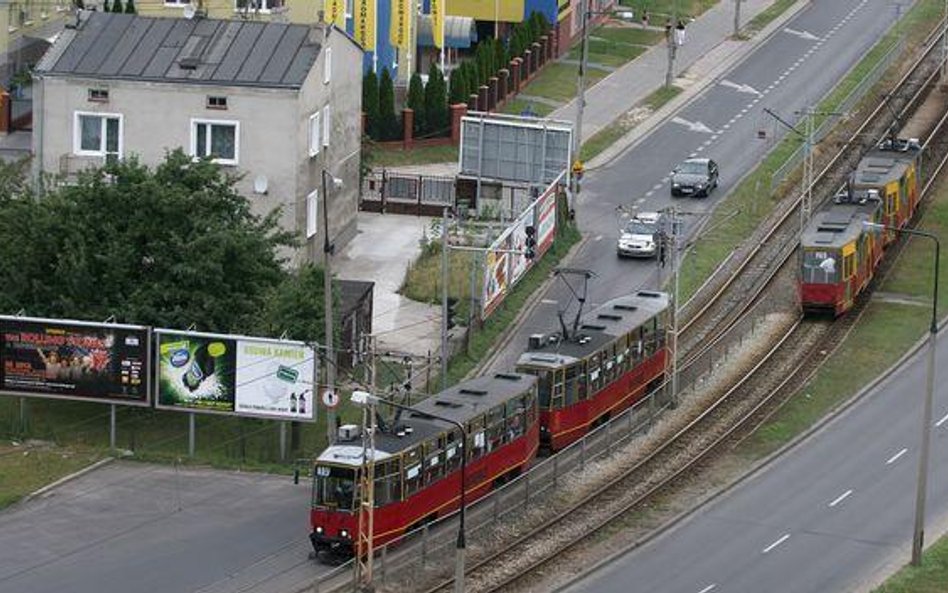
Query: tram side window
(849, 265)
(558, 388)
(515, 411)
(388, 483)
(571, 388)
(639, 346)
(434, 468)
(452, 451)
(582, 381)
(648, 340)
(476, 437)
(495, 427)
(531, 403)
(595, 373)
(544, 388)
(412, 462)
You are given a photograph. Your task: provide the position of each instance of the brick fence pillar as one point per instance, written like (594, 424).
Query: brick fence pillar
(515, 75)
(458, 110)
(472, 102)
(527, 64)
(4, 112)
(482, 97)
(492, 93)
(408, 128)
(538, 55)
(503, 77)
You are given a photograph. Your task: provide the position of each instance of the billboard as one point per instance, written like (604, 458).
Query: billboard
(546, 221)
(235, 375)
(75, 360)
(515, 149)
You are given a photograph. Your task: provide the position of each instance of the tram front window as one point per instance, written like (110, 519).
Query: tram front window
(544, 385)
(334, 487)
(820, 267)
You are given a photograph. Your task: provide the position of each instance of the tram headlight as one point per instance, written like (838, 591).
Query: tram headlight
(344, 533)
(319, 530)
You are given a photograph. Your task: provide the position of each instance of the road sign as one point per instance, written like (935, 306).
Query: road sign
(330, 398)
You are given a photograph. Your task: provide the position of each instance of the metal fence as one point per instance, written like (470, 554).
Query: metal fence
(848, 103)
(428, 552)
(407, 194)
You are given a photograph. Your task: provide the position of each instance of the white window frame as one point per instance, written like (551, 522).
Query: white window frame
(216, 122)
(77, 133)
(315, 138)
(177, 3)
(312, 214)
(265, 6)
(327, 115)
(327, 65)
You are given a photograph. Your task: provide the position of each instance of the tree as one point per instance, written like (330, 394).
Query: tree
(500, 55)
(167, 247)
(79, 4)
(416, 102)
(296, 307)
(388, 121)
(130, 7)
(105, 6)
(117, 6)
(457, 87)
(436, 101)
(370, 103)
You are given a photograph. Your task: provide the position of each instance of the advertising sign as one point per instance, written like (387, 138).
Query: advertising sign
(517, 242)
(335, 13)
(235, 375)
(495, 281)
(75, 360)
(365, 24)
(437, 22)
(400, 31)
(546, 221)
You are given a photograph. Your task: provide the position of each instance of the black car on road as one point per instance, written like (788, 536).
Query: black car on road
(694, 177)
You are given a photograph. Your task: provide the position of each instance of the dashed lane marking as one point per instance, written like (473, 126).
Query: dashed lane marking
(782, 539)
(840, 498)
(895, 457)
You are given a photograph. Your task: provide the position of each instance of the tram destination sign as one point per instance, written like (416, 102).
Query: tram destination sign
(237, 375)
(77, 360)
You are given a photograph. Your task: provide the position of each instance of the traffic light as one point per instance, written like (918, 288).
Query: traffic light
(530, 245)
(452, 312)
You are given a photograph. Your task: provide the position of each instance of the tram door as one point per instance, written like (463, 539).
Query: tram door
(849, 274)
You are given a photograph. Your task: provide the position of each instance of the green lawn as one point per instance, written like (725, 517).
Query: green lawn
(26, 468)
(396, 157)
(557, 81)
(518, 105)
(660, 9)
(930, 577)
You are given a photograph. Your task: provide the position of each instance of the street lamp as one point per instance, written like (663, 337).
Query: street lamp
(328, 249)
(363, 398)
(918, 535)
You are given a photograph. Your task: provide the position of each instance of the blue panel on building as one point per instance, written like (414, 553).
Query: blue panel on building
(547, 8)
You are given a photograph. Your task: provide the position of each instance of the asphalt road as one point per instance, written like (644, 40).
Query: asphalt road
(833, 514)
(142, 528)
(795, 67)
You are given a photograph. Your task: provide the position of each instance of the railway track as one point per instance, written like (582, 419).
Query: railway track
(737, 412)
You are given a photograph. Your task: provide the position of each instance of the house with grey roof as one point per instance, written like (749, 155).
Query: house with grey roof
(274, 102)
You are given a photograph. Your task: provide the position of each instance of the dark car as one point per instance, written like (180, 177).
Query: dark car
(694, 177)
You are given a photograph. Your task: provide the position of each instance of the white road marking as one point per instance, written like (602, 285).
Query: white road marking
(741, 88)
(692, 155)
(840, 498)
(598, 238)
(745, 110)
(657, 186)
(895, 457)
(548, 301)
(708, 588)
(641, 200)
(706, 143)
(726, 127)
(782, 539)
(694, 126)
(713, 138)
(942, 421)
(665, 180)
(801, 34)
(739, 116)
(699, 149)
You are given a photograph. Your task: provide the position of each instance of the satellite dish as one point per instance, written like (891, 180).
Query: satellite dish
(260, 184)
(189, 11)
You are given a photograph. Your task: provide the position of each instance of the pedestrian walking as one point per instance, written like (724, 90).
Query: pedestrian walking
(645, 19)
(680, 33)
(668, 31)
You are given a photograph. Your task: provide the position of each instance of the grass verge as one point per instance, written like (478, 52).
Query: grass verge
(396, 157)
(518, 106)
(765, 17)
(930, 577)
(557, 82)
(26, 468)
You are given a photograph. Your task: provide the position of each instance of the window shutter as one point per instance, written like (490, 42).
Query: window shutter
(327, 66)
(326, 125)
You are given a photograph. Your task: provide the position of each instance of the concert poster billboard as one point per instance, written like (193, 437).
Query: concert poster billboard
(76, 360)
(236, 375)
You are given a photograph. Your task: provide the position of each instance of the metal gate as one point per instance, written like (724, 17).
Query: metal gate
(397, 193)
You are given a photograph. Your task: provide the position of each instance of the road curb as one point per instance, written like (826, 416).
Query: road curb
(642, 130)
(65, 479)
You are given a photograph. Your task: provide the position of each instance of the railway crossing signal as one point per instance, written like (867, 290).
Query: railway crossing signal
(530, 244)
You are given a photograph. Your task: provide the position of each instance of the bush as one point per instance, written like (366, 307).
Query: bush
(436, 101)
(130, 7)
(117, 6)
(388, 121)
(458, 86)
(370, 104)
(416, 102)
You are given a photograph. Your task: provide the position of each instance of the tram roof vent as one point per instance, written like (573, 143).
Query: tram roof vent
(624, 307)
(447, 404)
(610, 316)
(468, 391)
(507, 376)
(651, 294)
(593, 326)
(544, 357)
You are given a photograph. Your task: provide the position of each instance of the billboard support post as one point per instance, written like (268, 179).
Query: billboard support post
(112, 426)
(282, 441)
(190, 434)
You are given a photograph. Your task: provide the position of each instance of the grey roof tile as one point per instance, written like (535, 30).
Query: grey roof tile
(120, 46)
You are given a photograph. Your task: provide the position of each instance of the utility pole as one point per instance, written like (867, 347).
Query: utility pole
(737, 17)
(364, 548)
(581, 81)
(672, 46)
(676, 265)
(330, 371)
(944, 45)
(444, 299)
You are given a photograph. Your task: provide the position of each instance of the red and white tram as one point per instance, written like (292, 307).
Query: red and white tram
(616, 354)
(418, 460)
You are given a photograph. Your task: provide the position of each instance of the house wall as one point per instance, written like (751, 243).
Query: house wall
(24, 25)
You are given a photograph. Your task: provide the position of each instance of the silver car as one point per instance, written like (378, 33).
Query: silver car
(640, 236)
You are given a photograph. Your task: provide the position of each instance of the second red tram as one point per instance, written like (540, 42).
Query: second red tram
(417, 461)
(617, 353)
